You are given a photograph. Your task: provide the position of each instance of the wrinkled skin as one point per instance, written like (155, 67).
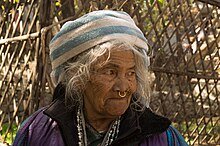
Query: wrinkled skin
(102, 103)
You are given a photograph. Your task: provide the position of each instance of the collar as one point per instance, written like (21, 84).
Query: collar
(140, 125)
(63, 116)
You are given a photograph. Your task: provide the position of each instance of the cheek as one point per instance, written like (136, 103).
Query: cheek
(100, 87)
(133, 85)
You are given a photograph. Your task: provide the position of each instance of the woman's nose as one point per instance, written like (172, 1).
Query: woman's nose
(121, 84)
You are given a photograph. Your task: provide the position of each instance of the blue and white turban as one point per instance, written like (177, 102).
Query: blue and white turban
(90, 30)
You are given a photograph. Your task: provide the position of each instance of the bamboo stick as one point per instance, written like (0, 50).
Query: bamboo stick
(19, 56)
(212, 2)
(190, 74)
(20, 38)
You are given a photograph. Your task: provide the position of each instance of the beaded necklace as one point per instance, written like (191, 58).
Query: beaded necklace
(110, 136)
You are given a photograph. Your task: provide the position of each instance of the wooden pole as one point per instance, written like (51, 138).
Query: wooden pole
(212, 2)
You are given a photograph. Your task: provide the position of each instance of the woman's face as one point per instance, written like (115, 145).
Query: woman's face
(117, 74)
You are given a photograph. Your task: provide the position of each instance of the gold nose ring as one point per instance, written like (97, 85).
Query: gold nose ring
(122, 94)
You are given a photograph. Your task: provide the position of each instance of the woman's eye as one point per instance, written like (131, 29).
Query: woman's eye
(110, 72)
(131, 73)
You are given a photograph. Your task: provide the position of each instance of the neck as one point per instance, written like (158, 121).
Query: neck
(99, 124)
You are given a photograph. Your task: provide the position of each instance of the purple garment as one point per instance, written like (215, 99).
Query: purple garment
(41, 130)
(44, 131)
(156, 140)
(171, 137)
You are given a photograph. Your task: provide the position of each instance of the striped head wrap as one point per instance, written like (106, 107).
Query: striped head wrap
(90, 30)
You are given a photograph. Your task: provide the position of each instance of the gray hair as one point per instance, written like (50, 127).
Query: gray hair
(77, 74)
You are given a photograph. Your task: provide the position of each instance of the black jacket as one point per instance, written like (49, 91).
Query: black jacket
(134, 126)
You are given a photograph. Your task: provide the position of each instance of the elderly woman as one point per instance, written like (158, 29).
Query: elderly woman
(100, 69)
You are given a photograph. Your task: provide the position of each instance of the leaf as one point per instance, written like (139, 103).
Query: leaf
(151, 2)
(161, 2)
(58, 4)
(16, 1)
(3, 7)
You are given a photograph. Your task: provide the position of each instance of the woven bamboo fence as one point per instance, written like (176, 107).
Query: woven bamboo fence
(184, 36)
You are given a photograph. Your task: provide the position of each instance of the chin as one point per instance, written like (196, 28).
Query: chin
(118, 113)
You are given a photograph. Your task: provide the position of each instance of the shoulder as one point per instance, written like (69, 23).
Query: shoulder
(170, 137)
(151, 123)
(38, 129)
(174, 137)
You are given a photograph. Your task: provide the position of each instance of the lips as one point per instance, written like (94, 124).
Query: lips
(121, 98)
(117, 99)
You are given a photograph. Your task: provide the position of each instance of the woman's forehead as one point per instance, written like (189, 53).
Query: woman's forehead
(117, 56)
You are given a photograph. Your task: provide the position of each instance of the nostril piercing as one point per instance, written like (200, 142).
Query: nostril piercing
(122, 94)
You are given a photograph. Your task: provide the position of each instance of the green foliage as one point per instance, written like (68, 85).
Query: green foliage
(151, 2)
(3, 7)
(193, 124)
(161, 2)
(16, 1)
(11, 1)
(11, 134)
(58, 4)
